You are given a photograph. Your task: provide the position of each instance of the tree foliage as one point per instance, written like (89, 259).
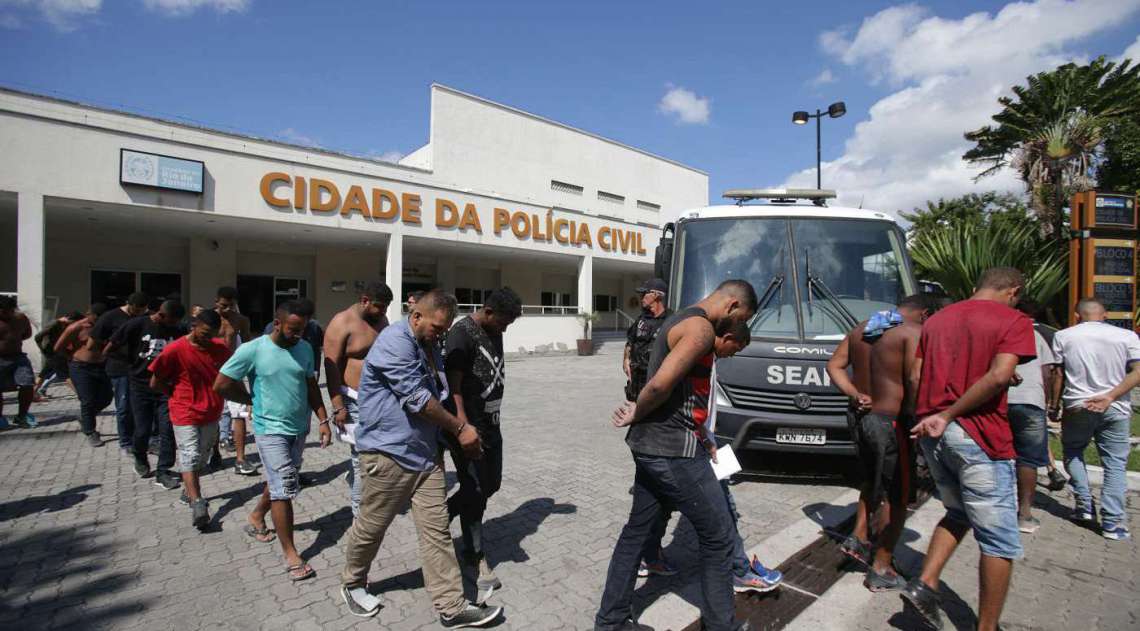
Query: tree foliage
(974, 209)
(1120, 170)
(1052, 130)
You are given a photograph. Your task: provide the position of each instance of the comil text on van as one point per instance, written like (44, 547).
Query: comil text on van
(320, 196)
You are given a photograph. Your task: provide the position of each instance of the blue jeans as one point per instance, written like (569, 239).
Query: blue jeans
(281, 457)
(151, 410)
(355, 482)
(976, 490)
(225, 424)
(1030, 435)
(689, 486)
(1110, 432)
(124, 418)
(94, 391)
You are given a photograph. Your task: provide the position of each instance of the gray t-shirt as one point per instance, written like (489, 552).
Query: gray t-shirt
(1095, 356)
(1032, 388)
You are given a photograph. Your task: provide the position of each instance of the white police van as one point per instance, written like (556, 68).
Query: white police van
(818, 270)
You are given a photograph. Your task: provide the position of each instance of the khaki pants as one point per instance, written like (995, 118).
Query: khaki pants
(386, 491)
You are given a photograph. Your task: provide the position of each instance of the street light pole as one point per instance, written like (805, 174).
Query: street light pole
(835, 110)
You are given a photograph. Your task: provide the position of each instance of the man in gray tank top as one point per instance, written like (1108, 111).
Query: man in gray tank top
(672, 470)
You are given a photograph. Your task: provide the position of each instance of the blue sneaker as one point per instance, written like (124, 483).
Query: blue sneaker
(26, 421)
(751, 582)
(660, 567)
(1116, 532)
(773, 577)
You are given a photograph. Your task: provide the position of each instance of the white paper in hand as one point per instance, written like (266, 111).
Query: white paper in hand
(348, 435)
(726, 463)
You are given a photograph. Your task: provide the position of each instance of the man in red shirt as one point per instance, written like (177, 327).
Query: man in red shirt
(186, 370)
(967, 357)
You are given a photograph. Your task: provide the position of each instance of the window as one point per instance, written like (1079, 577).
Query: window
(605, 303)
(286, 289)
(563, 187)
(112, 287)
(555, 299)
(610, 197)
(644, 205)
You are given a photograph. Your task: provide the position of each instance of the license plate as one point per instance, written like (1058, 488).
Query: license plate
(801, 436)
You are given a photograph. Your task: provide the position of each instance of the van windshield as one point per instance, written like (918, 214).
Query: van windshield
(822, 275)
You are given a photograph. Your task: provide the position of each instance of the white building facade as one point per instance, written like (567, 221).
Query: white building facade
(95, 204)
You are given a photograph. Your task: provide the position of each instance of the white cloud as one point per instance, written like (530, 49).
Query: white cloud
(1133, 52)
(64, 15)
(948, 75)
(179, 8)
(823, 78)
(685, 105)
(386, 156)
(295, 137)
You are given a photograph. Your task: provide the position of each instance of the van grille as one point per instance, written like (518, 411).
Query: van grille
(772, 401)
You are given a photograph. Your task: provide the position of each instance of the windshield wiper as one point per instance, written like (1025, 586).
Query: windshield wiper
(774, 286)
(814, 282)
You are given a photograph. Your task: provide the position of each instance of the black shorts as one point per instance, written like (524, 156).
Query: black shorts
(877, 443)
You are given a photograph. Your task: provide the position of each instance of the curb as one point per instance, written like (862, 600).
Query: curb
(1096, 475)
(670, 612)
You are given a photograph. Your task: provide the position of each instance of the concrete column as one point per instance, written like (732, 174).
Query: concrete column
(586, 284)
(30, 247)
(394, 275)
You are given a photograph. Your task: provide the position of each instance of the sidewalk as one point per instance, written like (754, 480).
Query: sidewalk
(1070, 578)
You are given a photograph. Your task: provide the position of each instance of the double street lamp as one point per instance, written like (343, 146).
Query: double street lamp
(835, 110)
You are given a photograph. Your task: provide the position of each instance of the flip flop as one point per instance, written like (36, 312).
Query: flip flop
(258, 534)
(306, 572)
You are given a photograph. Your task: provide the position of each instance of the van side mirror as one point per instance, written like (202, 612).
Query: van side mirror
(663, 257)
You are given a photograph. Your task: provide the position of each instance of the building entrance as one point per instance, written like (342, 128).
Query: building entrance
(259, 296)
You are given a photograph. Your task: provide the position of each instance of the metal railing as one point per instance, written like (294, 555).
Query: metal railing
(530, 310)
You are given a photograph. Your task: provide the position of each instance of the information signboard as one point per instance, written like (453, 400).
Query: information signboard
(158, 171)
(1115, 296)
(1114, 210)
(1114, 261)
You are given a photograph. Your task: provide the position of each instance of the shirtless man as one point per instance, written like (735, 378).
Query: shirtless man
(86, 370)
(348, 338)
(854, 352)
(235, 330)
(15, 370)
(885, 443)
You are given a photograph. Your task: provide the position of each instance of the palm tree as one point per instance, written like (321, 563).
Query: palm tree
(1050, 130)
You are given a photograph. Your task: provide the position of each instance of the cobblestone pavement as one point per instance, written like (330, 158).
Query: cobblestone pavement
(1070, 578)
(86, 544)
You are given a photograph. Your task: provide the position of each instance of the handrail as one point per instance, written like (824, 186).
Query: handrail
(472, 307)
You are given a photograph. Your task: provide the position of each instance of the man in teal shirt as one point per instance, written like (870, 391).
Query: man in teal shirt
(280, 369)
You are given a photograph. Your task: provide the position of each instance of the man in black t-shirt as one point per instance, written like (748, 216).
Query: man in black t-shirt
(640, 336)
(476, 376)
(118, 365)
(142, 339)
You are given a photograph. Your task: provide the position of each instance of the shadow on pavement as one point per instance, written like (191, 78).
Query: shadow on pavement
(45, 503)
(234, 499)
(330, 529)
(797, 469)
(35, 567)
(504, 534)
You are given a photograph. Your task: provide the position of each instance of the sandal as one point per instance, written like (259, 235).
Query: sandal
(263, 534)
(304, 568)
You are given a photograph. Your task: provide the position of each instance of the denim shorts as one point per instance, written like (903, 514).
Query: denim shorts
(16, 372)
(281, 457)
(976, 490)
(195, 442)
(1030, 436)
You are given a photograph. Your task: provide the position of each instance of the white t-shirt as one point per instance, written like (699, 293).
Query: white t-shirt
(1095, 356)
(1032, 388)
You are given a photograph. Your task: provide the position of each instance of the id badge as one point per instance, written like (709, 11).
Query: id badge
(491, 409)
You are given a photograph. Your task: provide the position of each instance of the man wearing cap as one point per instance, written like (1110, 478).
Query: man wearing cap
(640, 336)
(639, 340)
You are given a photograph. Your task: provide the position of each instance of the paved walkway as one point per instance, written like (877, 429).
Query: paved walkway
(1070, 578)
(85, 544)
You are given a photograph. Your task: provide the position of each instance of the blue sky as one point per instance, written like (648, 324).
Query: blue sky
(355, 76)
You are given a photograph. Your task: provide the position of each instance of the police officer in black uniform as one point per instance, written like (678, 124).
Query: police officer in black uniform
(640, 336)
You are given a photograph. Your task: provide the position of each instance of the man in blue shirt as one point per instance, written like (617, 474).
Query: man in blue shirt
(280, 369)
(398, 438)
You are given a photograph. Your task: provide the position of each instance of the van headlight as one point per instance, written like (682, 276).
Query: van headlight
(721, 397)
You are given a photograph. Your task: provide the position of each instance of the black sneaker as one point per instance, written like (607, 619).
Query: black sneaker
(215, 461)
(201, 517)
(142, 467)
(243, 467)
(228, 445)
(885, 582)
(355, 607)
(1057, 480)
(924, 600)
(94, 440)
(167, 480)
(184, 499)
(472, 616)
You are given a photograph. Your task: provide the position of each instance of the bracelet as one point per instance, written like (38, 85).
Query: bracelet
(324, 422)
(461, 428)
